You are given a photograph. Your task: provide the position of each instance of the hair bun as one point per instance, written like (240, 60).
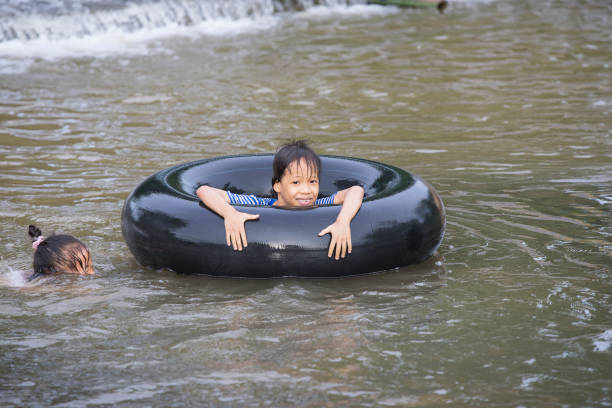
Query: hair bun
(34, 232)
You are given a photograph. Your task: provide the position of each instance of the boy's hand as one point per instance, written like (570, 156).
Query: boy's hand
(340, 238)
(235, 234)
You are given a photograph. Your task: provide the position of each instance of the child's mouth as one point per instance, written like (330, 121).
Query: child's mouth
(304, 201)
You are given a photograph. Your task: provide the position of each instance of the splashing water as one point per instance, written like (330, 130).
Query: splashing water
(12, 277)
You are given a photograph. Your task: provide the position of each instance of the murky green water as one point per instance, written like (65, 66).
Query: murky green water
(505, 107)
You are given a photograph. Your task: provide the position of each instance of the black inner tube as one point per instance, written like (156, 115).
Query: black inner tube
(401, 221)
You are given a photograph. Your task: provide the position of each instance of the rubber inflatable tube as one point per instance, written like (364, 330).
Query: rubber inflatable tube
(401, 221)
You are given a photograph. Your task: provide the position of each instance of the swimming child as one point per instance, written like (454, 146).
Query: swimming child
(296, 169)
(59, 254)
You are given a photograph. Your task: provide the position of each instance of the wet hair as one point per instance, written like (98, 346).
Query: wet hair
(294, 152)
(58, 254)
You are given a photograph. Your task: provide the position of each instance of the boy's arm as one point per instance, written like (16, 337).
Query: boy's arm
(218, 201)
(340, 230)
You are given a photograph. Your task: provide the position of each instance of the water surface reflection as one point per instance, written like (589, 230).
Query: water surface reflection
(503, 106)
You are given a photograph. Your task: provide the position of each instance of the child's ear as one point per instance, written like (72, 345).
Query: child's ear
(276, 186)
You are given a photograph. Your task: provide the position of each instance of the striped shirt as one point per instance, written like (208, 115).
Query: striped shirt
(251, 199)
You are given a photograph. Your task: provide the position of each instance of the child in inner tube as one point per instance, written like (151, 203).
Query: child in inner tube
(295, 181)
(58, 254)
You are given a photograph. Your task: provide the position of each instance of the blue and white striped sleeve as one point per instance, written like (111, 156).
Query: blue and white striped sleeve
(249, 199)
(326, 200)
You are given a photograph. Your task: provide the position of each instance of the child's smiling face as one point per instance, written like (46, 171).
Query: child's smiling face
(299, 185)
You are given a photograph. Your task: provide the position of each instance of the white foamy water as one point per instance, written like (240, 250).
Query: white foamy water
(128, 30)
(14, 66)
(116, 41)
(134, 29)
(13, 277)
(603, 341)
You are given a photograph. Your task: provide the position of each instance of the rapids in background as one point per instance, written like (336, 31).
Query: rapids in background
(30, 20)
(64, 28)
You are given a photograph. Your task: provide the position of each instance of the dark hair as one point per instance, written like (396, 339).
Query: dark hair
(293, 152)
(58, 253)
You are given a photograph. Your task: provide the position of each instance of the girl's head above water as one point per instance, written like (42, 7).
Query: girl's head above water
(295, 152)
(296, 175)
(59, 254)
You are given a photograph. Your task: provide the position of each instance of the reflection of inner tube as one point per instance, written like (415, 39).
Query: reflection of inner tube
(401, 221)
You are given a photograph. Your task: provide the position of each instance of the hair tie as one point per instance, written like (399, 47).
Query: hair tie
(36, 243)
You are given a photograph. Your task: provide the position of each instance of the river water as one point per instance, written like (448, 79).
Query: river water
(505, 107)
